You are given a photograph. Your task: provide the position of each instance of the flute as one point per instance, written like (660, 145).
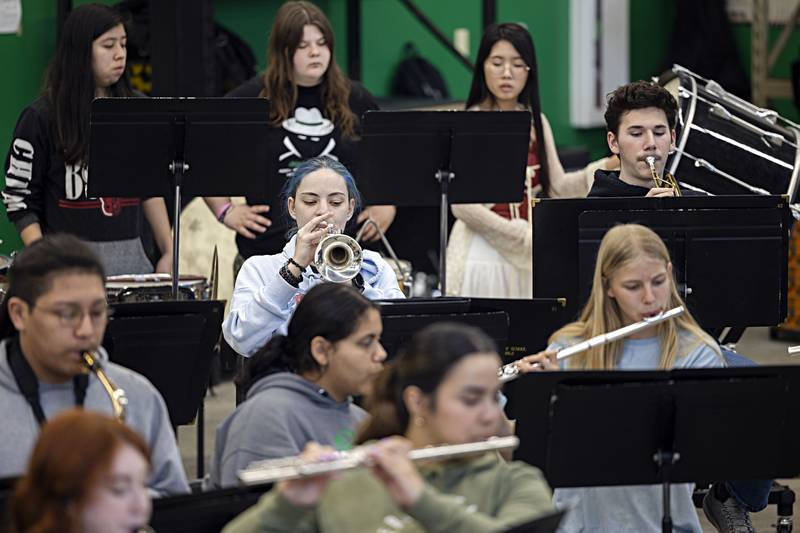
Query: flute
(272, 470)
(511, 372)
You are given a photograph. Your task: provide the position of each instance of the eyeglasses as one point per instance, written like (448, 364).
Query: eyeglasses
(498, 67)
(71, 316)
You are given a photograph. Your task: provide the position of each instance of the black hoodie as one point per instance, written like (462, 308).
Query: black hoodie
(608, 184)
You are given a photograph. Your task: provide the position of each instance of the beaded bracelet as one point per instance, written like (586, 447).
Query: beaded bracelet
(288, 277)
(298, 265)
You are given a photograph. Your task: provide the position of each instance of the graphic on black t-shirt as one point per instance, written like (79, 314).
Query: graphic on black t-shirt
(308, 134)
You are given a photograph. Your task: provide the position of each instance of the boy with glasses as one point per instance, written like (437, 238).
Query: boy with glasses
(55, 309)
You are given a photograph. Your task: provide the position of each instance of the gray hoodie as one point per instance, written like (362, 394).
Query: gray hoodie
(147, 415)
(282, 413)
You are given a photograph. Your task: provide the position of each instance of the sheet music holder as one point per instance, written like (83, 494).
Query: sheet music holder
(715, 243)
(430, 158)
(142, 147)
(530, 322)
(171, 343)
(402, 318)
(607, 428)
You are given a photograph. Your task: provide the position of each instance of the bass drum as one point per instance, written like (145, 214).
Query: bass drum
(726, 145)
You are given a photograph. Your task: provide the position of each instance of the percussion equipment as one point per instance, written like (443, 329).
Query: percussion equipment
(726, 145)
(511, 371)
(271, 470)
(154, 287)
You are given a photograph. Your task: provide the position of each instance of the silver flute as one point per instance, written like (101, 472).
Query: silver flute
(272, 470)
(511, 371)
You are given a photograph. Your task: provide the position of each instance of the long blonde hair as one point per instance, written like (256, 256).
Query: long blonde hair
(620, 246)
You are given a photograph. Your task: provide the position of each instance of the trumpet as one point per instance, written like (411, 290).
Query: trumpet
(338, 257)
(272, 470)
(668, 180)
(119, 402)
(511, 371)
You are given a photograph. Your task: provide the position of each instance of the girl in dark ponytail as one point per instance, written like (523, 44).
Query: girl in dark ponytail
(299, 385)
(442, 390)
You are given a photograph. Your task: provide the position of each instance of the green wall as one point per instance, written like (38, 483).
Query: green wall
(386, 26)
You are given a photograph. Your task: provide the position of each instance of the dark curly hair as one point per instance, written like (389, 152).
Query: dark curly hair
(639, 95)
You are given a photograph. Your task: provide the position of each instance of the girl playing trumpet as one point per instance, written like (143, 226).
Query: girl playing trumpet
(632, 281)
(321, 194)
(443, 389)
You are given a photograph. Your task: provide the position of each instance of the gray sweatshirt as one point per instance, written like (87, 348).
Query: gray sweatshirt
(281, 414)
(147, 414)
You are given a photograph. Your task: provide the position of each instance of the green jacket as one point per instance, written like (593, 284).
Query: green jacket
(481, 495)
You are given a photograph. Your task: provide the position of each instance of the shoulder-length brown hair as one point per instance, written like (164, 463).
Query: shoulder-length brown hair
(73, 452)
(279, 85)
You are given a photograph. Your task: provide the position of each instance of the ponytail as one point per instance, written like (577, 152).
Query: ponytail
(276, 356)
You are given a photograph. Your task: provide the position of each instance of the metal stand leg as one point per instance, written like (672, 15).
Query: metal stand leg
(443, 177)
(201, 440)
(177, 168)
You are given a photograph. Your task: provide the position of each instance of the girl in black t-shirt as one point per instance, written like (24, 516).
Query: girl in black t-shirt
(314, 111)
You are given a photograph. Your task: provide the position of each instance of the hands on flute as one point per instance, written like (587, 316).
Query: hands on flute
(388, 459)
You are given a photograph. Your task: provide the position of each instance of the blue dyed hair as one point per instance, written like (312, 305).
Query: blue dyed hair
(306, 168)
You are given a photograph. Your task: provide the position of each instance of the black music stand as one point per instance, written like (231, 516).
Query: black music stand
(660, 427)
(716, 243)
(171, 343)
(141, 147)
(430, 158)
(531, 321)
(204, 512)
(402, 318)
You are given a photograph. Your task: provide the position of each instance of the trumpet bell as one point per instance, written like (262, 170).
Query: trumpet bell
(338, 258)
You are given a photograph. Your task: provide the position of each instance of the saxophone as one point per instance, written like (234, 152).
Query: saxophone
(119, 401)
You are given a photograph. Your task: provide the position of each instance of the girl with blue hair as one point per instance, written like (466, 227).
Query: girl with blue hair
(320, 195)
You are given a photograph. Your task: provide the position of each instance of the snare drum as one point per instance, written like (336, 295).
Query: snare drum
(154, 287)
(726, 145)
